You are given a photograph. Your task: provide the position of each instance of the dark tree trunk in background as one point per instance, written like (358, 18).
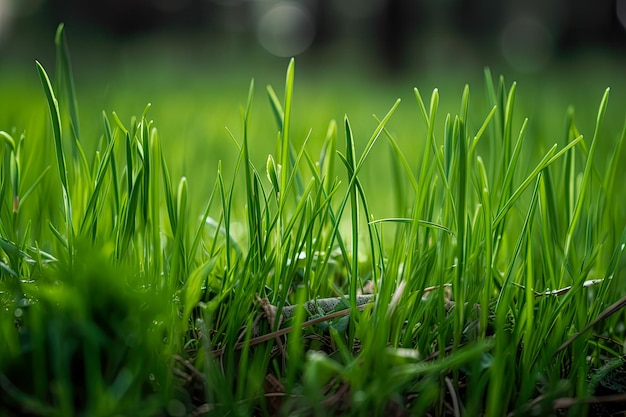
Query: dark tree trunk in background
(399, 20)
(479, 19)
(129, 17)
(395, 31)
(326, 24)
(591, 24)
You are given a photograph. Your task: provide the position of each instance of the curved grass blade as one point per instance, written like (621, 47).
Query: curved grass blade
(586, 179)
(67, 91)
(91, 213)
(424, 223)
(33, 186)
(277, 109)
(547, 160)
(284, 149)
(55, 117)
(65, 78)
(354, 205)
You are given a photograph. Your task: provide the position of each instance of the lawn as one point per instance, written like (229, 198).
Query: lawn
(457, 253)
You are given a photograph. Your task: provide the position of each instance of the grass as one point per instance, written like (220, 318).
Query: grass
(493, 287)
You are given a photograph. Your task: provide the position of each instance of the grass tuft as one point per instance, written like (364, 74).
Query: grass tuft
(493, 289)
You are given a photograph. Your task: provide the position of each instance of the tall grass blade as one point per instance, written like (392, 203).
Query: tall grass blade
(284, 149)
(55, 117)
(586, 180)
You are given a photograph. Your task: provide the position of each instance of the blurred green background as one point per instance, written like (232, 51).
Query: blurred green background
(194, 59)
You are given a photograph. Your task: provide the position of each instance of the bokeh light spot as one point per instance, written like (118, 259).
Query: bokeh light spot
(527, 44)
(286, 29)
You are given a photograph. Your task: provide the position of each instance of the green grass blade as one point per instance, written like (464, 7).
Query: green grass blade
(481, 131)
(421, 105)
(508, 123)
(127, 229)
(65, 78)
(374, 137)
(354, 205)
(547, 160)
(284, 149)
(169, 195)
(586, 179)
(66, 89)
(91, 212)
(327, 156)
(147, 168)
(459, 284)
(193, 287)
(31, 189)
(255, 227)
(55, 117)
(434, 104)
(397, 152)
(277, 109)
(609, 178)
